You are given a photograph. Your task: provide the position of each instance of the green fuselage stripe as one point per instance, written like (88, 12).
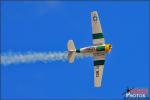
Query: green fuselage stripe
(98, 36)
(78, 50)
(99, 62)
(100, 48)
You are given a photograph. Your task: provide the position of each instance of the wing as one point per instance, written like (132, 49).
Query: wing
(98, 38)
(98, 68)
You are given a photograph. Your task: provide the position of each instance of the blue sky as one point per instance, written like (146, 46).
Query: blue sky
(47, 26)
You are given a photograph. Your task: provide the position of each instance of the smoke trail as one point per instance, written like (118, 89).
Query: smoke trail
(30, 57)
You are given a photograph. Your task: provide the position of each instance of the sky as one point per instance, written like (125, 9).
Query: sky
(47, 26)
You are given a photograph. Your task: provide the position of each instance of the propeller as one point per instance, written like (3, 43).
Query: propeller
(110, 48)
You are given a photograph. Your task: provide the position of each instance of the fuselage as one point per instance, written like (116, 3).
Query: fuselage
(104, 48)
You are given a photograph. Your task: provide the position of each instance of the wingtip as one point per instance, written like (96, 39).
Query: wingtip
(97, 85)
(94, 11)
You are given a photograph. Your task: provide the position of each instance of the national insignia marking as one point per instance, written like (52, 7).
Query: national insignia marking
(95, 18)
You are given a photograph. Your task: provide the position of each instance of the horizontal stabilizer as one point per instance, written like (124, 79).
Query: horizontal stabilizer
(71, 51)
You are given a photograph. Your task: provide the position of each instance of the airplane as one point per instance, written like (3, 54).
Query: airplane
(98, 49)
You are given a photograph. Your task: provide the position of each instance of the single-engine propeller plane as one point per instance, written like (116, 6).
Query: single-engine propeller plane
(98, 50)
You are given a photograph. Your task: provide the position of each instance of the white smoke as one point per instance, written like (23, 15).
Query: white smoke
(31, 57)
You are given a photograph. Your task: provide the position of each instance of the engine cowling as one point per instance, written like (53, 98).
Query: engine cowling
(105, 47)
(108, 47)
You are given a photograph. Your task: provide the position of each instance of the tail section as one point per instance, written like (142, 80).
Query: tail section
(71, 51)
